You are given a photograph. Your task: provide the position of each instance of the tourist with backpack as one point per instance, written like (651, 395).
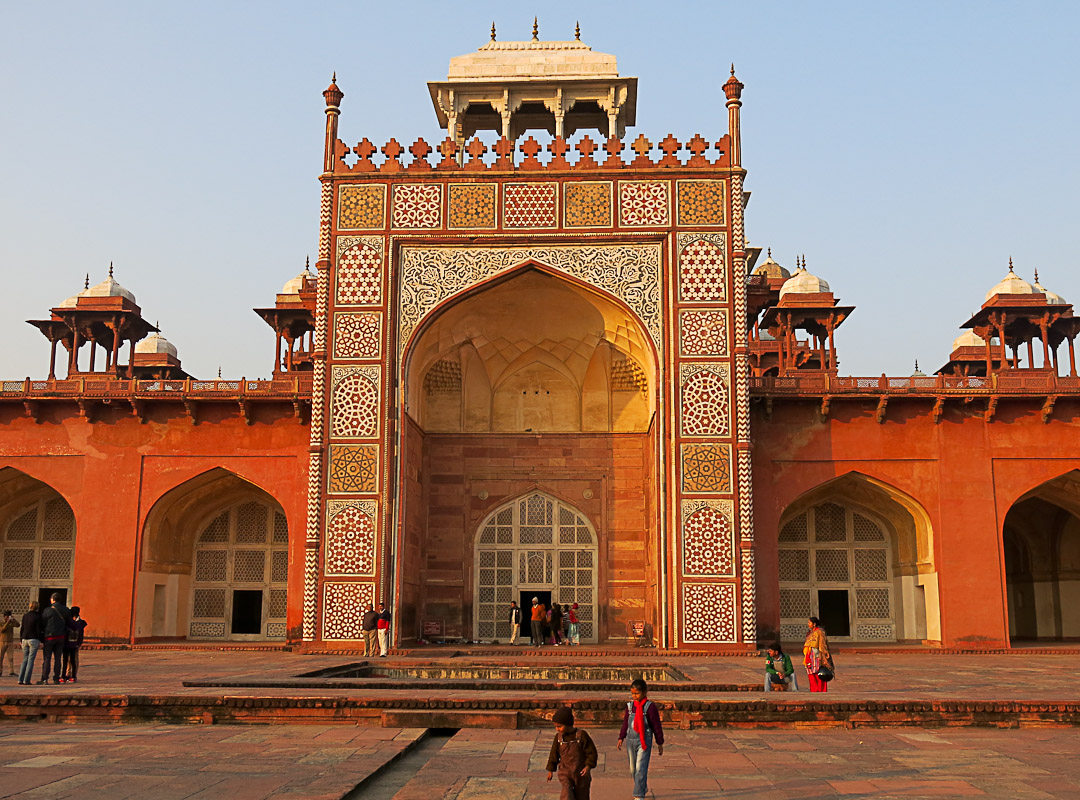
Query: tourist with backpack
(640, 727)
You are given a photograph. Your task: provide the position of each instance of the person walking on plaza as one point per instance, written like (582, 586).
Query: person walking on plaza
(383, 627)
(369, 624)
(556, 624)
(779, 670)
(641, 720)
(816, 656)
(572, 634)
(7, 642)
(539, 616)
(72, 646)
(515, 622)
(30, 631)
(56, 619)
(573, 755)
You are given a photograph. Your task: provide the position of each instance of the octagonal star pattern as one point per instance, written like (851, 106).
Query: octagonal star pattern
(706, 468)
(353, 468)
(703, 333)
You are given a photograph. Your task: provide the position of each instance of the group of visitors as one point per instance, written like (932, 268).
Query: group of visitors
(557, 625)
(376, 628)
(573, 754)
(820, 669)
(57, 632)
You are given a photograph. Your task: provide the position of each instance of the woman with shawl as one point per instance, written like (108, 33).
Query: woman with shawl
(816, 655)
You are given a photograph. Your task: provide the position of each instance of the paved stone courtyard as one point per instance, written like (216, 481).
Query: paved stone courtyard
(90, 760)
(323, 763)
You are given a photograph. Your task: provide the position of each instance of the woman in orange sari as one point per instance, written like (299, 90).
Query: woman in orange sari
(816, 655)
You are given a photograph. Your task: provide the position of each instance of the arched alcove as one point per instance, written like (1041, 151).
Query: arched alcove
(530, 383)
(1041, 542)
(37, 542)
(531, 352)
(214, 562)
(859, 554)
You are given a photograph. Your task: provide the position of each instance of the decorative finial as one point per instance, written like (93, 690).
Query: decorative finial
(733, 69)
(916, 365)
(536, 30)
(577, 31)
(1010, 264)
(333, 76)
(493, 30)
(770, 253)
(219, 373)
(1036, 274)
(86, 283)
(307, 263)
(110, 269)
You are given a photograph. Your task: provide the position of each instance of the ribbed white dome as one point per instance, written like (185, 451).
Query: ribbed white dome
(771, 268)
(296, 284)
(1051, 298)
(803, 282)
(108, 288)
(968, 339)
(72, 301)
(156, 343)
(1011, 284)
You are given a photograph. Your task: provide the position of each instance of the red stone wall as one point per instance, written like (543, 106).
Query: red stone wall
(448, 509)
(964, 472)
(113, 470)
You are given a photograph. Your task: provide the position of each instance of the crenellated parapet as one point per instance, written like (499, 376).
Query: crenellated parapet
(509, 156)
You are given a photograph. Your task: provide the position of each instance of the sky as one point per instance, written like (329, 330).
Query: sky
(908, 149)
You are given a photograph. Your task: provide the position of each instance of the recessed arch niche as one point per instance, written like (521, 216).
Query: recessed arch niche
(532, 352)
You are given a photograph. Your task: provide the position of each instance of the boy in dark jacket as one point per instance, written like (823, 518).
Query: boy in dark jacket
(71, 647)
(573, 754)
(641, 721)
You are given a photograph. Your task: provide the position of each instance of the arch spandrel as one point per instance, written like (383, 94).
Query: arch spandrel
(177, 515)
(429, 276)
(902, 514)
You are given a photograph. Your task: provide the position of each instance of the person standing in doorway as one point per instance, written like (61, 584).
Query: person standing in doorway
(556, 624)
(56, 619)
(31, 634)
(369, 625)
(383, 627)
(72, 646)
(7, 642)
(816, 656)
(539, 616)
(515, 622)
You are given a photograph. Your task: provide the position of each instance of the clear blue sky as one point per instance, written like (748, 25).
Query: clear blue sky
(907, 148)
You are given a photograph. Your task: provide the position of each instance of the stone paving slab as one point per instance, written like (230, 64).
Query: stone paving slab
(707, 765)
(182, 762)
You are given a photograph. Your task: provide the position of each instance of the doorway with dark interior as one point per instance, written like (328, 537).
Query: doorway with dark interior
(525, 598)
(45, 596)
(834, 612)
(247, 612)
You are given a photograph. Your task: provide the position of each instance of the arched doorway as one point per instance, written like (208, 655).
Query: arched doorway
(858, 554)
(1041, 537)
(531, 383)
(534, 546)
(37, 549)
(214, 563)
(835, 565)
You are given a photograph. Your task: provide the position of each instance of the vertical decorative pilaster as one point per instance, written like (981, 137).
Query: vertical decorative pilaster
(318, 404)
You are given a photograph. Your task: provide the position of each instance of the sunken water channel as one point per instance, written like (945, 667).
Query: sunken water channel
(478, 672)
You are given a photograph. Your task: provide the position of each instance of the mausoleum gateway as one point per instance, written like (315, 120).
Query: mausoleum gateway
(548, 368)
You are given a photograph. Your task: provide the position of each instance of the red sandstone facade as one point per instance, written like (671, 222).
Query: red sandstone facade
(564, 376)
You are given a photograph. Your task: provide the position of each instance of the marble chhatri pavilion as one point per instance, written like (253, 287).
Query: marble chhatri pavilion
(548, 368)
